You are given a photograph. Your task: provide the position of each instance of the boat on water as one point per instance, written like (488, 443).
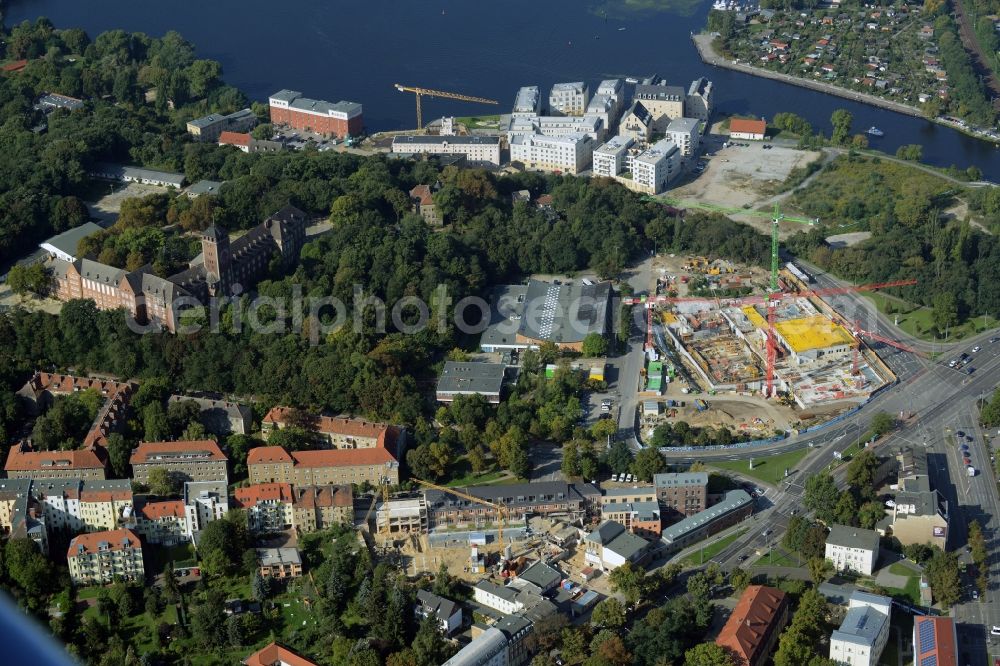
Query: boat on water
(621, 29)
(874, 131)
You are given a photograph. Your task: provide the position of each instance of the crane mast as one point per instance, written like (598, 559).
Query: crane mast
(430, 92)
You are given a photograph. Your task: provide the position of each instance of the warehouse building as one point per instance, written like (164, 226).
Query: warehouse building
(470, 378)
(339, 119)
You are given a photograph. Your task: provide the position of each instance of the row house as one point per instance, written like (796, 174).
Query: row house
(84, 505)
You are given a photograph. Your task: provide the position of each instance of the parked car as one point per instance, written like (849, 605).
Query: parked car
(995, 630)
(976, 349)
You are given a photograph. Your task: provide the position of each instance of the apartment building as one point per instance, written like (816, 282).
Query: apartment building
(640, 518)
(478, 150)
(319, 507)
(39, 392)
(84, 505)
(699, 100)
(682, 494)
(522, 126)
(864, 632)
(447, 613)
(272, 464)
(654, 168)
(204, 501)
(852, 549)
(268, 506)
(25, 463)
(21, 515)
(208, 128)
(663, 102)
(338, 119)
(734, 507)
(279, 562)
(568, 99)
(569, 154)
(220, 417)
(609, 158)
(199, 460)
(608, 102)
(610, 546)
(686, 134)
(637, 123)
(752, 630)
(919, 513)
(528, 102)
(338, 432)
(503, 644)
(98, 557)
(162, 522)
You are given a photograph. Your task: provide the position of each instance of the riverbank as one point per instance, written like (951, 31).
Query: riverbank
(703, 43)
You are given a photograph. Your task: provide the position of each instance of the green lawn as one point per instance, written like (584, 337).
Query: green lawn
(479, 122)
(901, 569)
(711, 550)
(918, 321)
(778, 557)
(770, 469)
(909, 592)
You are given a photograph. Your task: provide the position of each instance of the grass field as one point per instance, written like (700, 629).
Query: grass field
(461, 474)
(778, 557)
(711, 550)
(479, 122)
(918, 321)
(770, 469)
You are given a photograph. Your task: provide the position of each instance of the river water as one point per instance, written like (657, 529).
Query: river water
(335, 49)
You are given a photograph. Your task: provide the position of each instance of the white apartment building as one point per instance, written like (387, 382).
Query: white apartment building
(852, 549)
(75, 505)
(698, 103)
(268, 506)
(528, 102)
(609, 158)
(863, 634)
(568, 99)
(654, 168)
(478, 149)
(499, 598)
(204, 501)
(100, 556)
(162, 522)
(592, 126)
(685, 133)
(566, 154)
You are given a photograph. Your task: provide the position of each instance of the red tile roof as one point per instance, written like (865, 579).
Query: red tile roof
(311, 497)
(753, 622)
(274, 654)
(262, 492)
(147, 452)
(234, 139)
(105, 495)
(385, 435)
(23, 459)
(91, 543)
(944, 645)
(164, 509)
(423, 193)
(342, 457)
(15, 66)
(267, 455)
(748, 126)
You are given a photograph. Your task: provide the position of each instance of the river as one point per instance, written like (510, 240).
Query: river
(334, 49)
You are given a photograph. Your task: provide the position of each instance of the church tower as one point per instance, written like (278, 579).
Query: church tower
(215, 249)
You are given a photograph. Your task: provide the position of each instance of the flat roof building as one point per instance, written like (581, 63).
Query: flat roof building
(208, 128)
(564, 313)
(51, 101)
(609, 157)
(64, 246)
(339, 119)
(568, 99)
(210, 187)
(654, 168)
(569, 154)
(685, 132)
(471, 378)
(528, 101)
(130, 174)
(279, 562)
(810, 338)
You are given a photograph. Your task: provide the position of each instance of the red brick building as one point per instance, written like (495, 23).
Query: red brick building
(340, 119)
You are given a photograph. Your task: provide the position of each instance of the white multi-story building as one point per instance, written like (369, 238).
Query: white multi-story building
(268, 506)
(568, 99)
(566, 154)
(478, 149)
(864, 632)
(163, 522)
(852, 549)
(609, 98)
(592, 126)
(99, 557)
(503, 599)
(685, 133)
(654, 168)
(698, 103)
(528, 102)
(609, 158)
(204, 501)
(78, 505)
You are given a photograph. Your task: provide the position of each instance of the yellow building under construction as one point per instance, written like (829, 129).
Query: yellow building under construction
(809, 338)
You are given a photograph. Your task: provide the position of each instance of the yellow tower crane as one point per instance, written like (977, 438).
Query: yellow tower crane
(420, 92)
(503, 514)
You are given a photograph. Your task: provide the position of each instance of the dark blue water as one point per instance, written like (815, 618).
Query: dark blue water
(334, 49)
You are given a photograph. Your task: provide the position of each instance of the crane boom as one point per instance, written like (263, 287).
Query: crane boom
(430, 92)
(502, 512)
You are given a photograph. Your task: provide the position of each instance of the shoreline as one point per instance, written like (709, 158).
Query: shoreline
(703, 44)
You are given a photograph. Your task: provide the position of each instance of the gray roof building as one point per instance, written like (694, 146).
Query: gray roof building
(564, 313)
(506, 310)
(220, 417)
(686, 125)
(853, 537)
(442, 608)
(204, 187)
(52, 101)
(605, 533)
(452, 139)
(627, 545)
(733, 501)
(64, 245)
(680, 479)
(295, 100)
(119, 172)
(542, 575)
(659, 92)
(470, 378)
(862, 625)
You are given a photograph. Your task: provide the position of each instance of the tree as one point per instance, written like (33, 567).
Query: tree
(648, 462)
(31, 278)
(221, 546)
(944, 310)
(912, 152)
(161, 483)
(595, 345)
(619, 459)
(261, 587)
(603, 429)
(739, 579)
(821, 495)
(977, 544)
(429, 647)
(861, 470)
(869, 514)
(699, 586)
(942, 574)
(118, 455)
(27, 567)
(819, 569)
(882, 423)
(609, 613)
(630, 581)
(570, 460)
(708, 654)
(154, 419)
(841, 120)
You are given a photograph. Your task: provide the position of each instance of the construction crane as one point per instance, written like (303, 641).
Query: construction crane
(772, 296)
(420, 92)
(503, 513)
